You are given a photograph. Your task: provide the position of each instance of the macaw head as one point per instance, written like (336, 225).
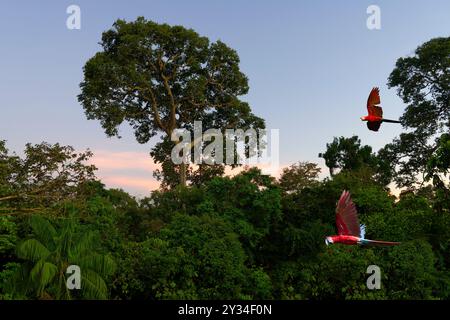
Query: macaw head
(328, 240)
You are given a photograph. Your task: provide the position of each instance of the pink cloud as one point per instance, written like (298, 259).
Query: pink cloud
(133, 171)
(232, 172)
(111, 160)
(142, 185)
(130, 171)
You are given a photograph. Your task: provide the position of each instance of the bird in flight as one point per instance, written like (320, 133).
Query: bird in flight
(349, 230)
(375, 117)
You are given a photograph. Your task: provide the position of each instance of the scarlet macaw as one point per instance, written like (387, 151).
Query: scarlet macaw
(375, 117)
(349, 230)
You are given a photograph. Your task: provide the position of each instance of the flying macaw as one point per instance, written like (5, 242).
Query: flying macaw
(375, 117)
(349, 230)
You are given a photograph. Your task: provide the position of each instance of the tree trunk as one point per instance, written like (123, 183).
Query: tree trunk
(182, 165)
(183, 174)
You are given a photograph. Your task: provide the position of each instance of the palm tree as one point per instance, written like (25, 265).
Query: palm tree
(48, 256)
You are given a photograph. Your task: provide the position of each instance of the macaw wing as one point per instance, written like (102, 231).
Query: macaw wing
(346, 216)
(373, 125)
(375, 111)
(374, 97)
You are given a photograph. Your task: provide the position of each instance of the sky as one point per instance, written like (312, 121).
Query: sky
(310, 64)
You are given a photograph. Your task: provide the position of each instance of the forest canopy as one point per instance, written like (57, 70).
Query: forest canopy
(206, 235)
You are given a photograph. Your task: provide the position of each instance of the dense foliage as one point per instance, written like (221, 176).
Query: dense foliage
(250, 236)
(241, 237)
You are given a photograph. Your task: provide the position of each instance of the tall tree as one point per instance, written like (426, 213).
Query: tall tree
(159, 78)
(348, 154)
(423, 82)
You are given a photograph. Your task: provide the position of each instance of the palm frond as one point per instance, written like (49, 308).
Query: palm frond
(101, 264)
(93, 286)
(63, 292)
(66, 239)
(43, 230)
(33, 250)
(86, 244)
(42, 274)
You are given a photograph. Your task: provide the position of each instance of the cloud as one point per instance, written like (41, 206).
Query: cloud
(134, 185)
(110, 160)
(133, 171)
(265, 168)
(130, 171)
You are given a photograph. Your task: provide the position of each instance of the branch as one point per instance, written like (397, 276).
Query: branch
(9, 197)
(17, 196)
(155, 111)
(153, 102)
(16, 211)
(173, 107)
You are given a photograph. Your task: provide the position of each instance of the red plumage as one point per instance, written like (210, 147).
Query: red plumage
(349, 229)
(375, 112)
(347, 217)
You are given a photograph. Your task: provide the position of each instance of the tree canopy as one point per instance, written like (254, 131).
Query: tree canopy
(423, 83)
(247, 236)
(159, 78)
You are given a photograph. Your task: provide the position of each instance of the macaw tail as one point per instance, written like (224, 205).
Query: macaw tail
(366, 242)
(391, 121)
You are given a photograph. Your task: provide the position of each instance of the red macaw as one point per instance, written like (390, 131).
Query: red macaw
(375, 117)
(349, 230)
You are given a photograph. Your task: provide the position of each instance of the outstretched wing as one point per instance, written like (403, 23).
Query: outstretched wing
(374, 97)
(373, 125)
(346, 216)
(372, 103)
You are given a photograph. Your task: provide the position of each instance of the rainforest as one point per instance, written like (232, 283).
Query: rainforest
(204, 233)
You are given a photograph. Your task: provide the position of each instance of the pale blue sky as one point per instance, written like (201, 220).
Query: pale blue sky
(311, 65)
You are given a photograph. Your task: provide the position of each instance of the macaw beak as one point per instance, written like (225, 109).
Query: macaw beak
(328, 240)
(362, 118)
